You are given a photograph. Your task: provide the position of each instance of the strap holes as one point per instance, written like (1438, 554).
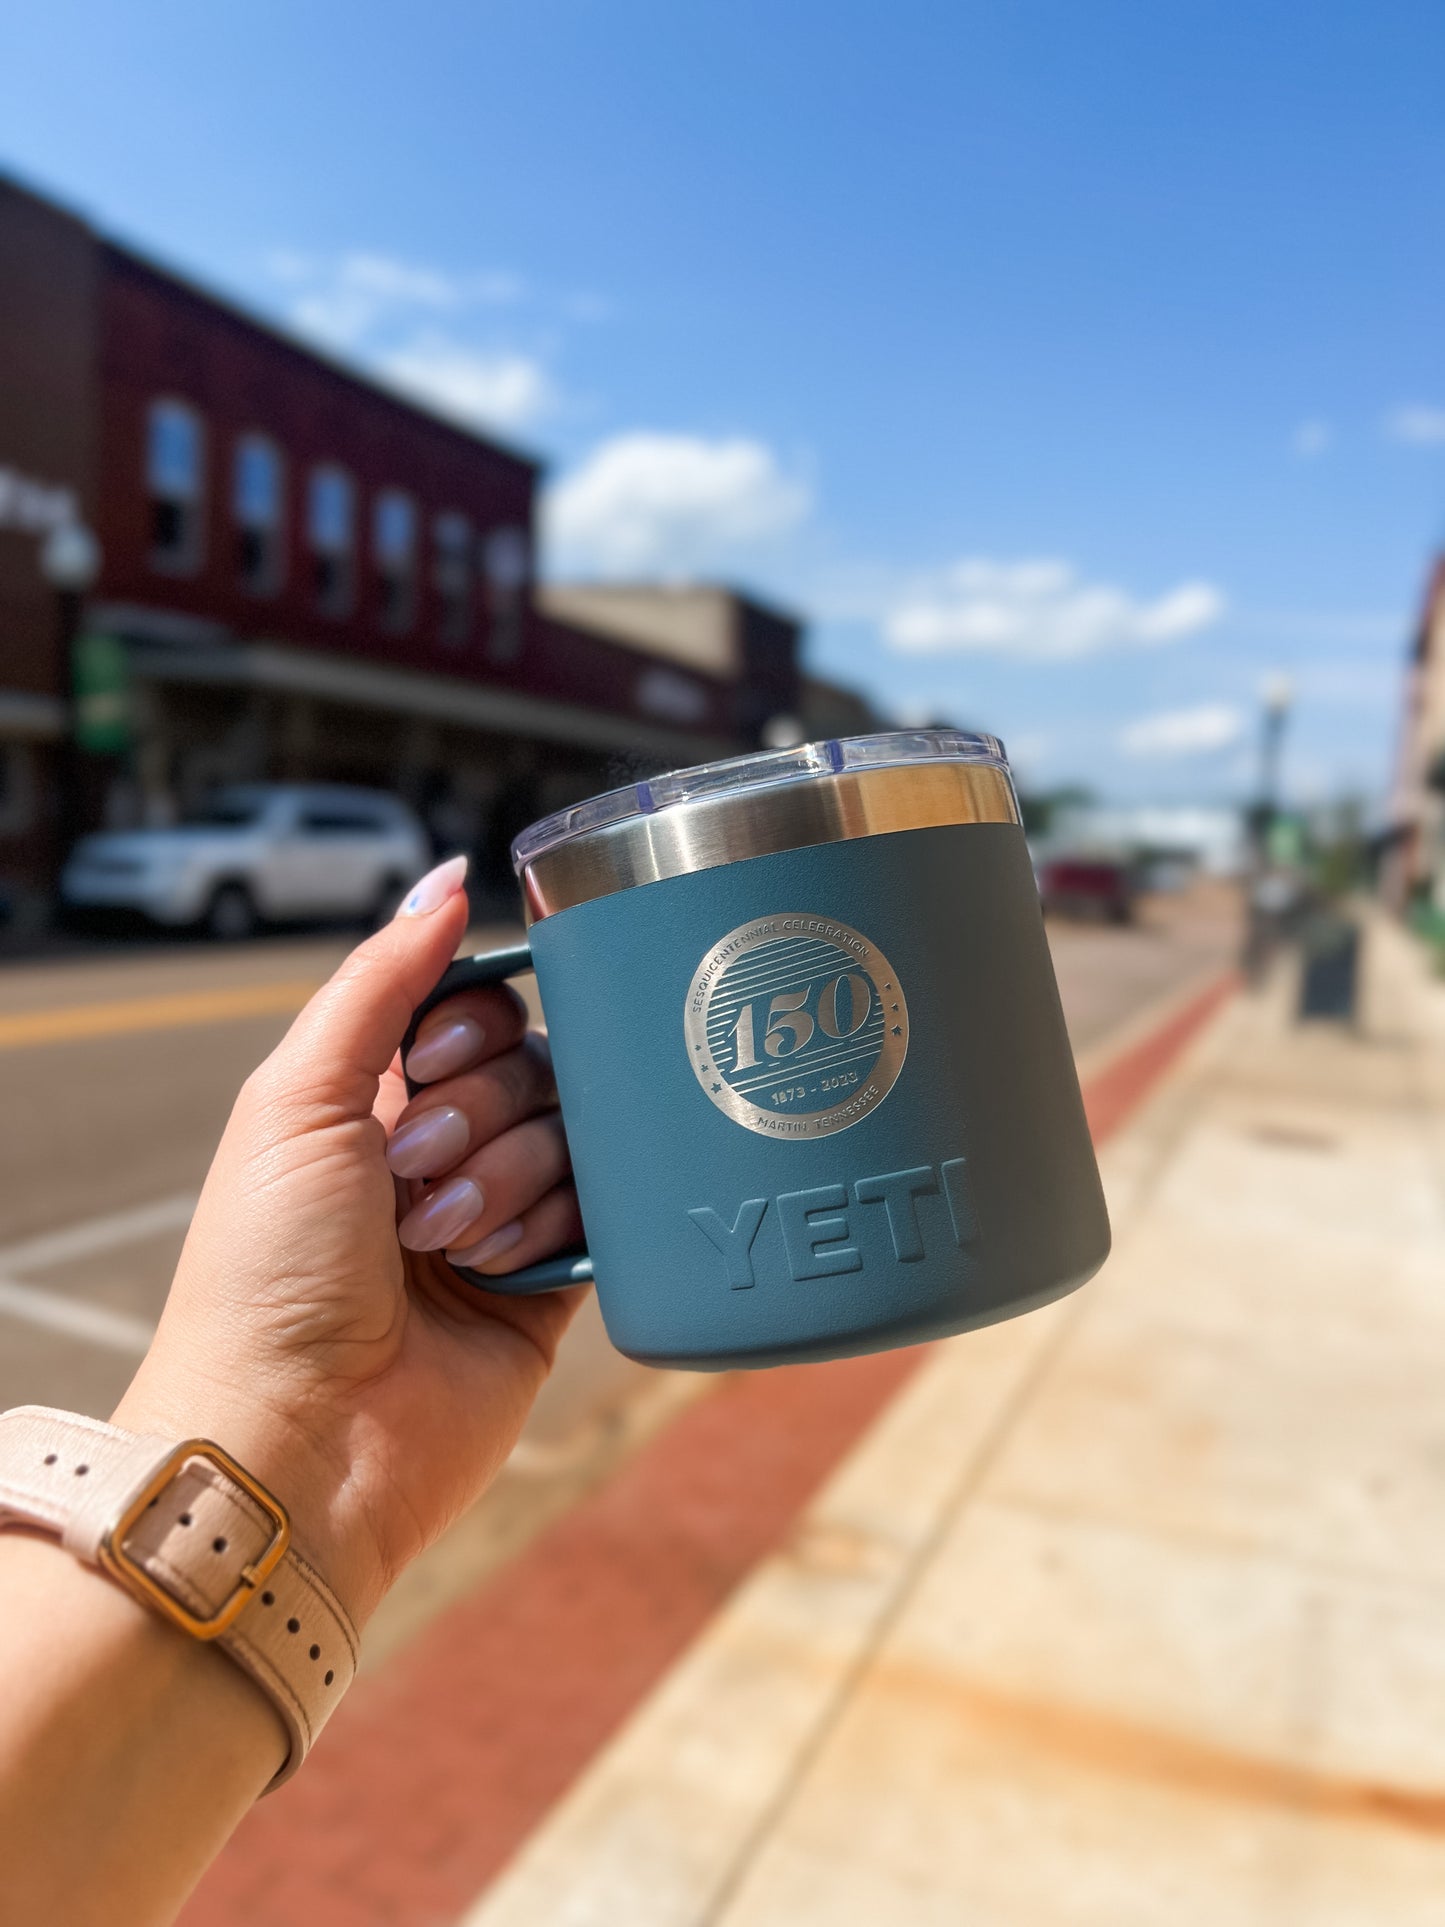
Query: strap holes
(51, 1457)
(184, 1520)
(81, 1470)
(293, 1625)
(218, 1545)
(316, 1652)
(329, 1678)
(268, 1599)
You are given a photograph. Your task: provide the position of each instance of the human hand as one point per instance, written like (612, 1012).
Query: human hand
(344, 1365)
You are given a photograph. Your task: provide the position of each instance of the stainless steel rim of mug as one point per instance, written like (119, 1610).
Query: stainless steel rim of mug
(704, 835)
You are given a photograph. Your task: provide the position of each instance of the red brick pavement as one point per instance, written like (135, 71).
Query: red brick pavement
(436, 1769)
(1112, 1093)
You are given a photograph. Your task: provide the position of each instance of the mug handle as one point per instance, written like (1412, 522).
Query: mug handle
(477, 973)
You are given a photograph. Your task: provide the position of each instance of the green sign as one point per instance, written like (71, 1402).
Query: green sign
(1286, 841)
(102, 694)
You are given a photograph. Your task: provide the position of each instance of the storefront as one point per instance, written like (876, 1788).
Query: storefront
(298, 575)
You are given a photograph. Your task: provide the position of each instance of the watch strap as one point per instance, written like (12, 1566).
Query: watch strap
(190, 1532)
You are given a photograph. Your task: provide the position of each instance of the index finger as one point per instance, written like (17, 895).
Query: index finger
(465, 1031)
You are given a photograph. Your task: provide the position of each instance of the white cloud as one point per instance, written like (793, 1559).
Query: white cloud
(1183, 732)
(1040, 610)
(341, 301)
(387, 279)
(495, 390)
(413, 325)
(344, 299)
(677, 503)
(1312, 438)
(1418, 423)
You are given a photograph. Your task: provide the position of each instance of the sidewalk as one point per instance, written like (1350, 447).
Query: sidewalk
(1127, 1612)
(507, 1670)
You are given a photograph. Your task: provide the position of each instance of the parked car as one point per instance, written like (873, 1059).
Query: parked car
(254, 853)
(1077, 886)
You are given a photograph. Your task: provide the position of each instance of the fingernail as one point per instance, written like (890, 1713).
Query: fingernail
(435, 888)
(492, 1246)
(446, 1049)
(442, 1216)
(427, 1144)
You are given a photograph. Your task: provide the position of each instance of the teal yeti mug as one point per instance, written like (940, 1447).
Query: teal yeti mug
(809, 1052)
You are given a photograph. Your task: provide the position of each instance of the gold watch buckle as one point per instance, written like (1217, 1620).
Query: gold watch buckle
(120, 1565)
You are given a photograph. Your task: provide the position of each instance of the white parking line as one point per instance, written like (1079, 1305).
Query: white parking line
(98, 1234)
(58, 1311)
(115, 1331)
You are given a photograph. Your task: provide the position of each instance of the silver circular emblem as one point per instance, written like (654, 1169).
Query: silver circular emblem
(796, 1025)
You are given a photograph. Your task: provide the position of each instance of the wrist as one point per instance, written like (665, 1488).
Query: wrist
(304, 1467)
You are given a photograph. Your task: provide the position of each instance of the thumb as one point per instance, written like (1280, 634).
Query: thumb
(335, 1052)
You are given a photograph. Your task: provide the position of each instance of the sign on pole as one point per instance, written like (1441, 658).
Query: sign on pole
(102, 694)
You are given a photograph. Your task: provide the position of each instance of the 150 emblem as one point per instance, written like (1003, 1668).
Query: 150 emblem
(796, 1025)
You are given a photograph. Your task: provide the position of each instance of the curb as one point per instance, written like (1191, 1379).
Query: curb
(440, 1764)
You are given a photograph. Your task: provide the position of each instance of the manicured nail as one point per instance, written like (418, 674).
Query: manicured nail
(427, 1144)
(441, 1217)
(437, 887)
(492, 1246)
(449, 1047)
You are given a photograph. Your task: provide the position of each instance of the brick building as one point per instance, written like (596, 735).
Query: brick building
(1415, 866)
(301, 575)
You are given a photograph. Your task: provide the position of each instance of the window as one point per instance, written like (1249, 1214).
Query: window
(393, 543)
(341, 819)
(260, 512)
(507, 561)
(331, 523)
(224, 812)
(175, 478)
(452, 535)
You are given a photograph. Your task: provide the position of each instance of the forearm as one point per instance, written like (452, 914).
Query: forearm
(350, 1373)
(128, 1752)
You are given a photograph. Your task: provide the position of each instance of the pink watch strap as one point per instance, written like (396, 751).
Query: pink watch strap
(198, 1543)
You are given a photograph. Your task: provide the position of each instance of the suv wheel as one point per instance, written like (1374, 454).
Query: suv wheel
(231, 915)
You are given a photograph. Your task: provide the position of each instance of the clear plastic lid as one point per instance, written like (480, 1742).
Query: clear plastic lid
(808, 763)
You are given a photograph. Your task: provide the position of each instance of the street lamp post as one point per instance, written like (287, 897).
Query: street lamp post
(1266, 893)
(1278, 698)
(70, 562)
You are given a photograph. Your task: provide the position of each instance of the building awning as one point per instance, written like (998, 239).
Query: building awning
(278, 668)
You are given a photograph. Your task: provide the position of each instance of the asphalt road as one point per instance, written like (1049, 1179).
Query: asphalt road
(119, 1068)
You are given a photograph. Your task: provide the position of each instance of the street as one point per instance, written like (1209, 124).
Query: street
(120, 1068)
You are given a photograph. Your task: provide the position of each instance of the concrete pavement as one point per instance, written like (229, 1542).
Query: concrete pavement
(1129, 1611)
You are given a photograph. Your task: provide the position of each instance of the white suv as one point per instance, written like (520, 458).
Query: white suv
(254, 852)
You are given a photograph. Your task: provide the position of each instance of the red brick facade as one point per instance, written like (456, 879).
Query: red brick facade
(439, 678)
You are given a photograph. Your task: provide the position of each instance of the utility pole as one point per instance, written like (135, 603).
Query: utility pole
(70, 563)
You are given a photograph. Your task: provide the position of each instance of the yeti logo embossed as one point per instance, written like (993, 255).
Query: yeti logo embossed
(796, 1025)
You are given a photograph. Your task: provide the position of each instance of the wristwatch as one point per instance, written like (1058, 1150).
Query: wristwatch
(194, 1536)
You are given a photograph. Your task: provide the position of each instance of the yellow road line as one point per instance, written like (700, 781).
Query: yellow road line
(175, 1012)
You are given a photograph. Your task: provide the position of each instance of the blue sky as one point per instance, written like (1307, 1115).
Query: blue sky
(1072, 367)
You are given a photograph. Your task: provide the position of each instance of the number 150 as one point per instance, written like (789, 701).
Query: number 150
(844, 1002)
